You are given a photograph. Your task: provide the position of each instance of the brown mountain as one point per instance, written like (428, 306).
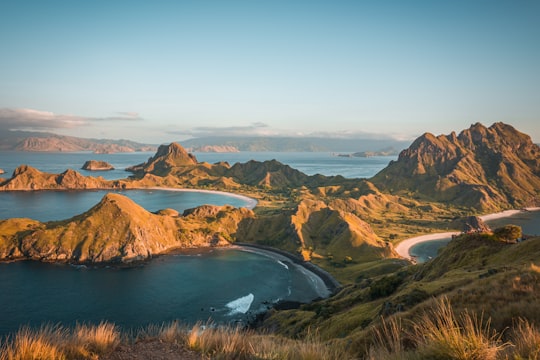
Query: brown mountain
(166, 159)
(117, 230)
(485, 168)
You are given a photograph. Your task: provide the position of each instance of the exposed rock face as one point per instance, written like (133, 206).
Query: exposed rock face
(486, 168)
(166, 158)
(116, 230)
(97, 165)
(2, 172)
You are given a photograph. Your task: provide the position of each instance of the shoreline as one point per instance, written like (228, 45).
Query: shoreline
(404, 247)
(324, 284)
(251, 203)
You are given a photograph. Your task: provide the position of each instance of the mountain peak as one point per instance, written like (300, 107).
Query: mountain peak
(166, 158)
(488, 168)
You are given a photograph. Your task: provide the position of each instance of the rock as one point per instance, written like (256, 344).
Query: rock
(2, 171)
(475, 224)
(97, 165)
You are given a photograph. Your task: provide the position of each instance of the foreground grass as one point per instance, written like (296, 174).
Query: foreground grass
(438, 333)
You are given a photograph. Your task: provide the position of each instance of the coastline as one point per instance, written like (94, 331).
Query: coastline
(323, 283)
(404, 247)
(251, 203)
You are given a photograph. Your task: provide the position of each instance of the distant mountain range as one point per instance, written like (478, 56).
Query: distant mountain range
(291, 144)
(48, 142)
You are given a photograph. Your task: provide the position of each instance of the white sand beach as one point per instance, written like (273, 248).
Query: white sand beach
(404, 247)
(251, 203)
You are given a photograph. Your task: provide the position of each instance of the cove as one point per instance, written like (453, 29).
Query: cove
(224, 285)
(47, 205)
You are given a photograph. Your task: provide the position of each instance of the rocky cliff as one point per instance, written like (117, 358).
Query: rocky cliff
(485, 168)
(117, 230)
(165, 160)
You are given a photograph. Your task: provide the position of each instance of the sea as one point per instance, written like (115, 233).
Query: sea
(528, 220)
(217, 285)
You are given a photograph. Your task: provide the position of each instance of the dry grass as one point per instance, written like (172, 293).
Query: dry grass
(56, 342)
(526, 341)
(439, 334)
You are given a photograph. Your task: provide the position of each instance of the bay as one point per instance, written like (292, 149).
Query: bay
(224, 285)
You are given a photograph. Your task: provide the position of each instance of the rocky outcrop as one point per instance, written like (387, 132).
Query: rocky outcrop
(116, 230)
(166, 159)
(475, 224)
(485, 168)
(97, 165)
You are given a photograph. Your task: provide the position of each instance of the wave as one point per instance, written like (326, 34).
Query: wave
(283, 264)
(241, 305)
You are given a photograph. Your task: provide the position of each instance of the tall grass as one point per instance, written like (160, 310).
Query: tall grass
(439, 334)
(56, 342)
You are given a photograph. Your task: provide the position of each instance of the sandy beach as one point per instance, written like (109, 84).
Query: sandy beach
(251, 203)
(404, 247)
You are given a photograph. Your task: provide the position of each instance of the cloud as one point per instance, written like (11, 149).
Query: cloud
(30, 119)
(254, 129)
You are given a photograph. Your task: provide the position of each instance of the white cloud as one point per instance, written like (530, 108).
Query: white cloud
(30, 119)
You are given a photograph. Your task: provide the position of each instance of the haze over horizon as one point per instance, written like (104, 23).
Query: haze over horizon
(164, 71)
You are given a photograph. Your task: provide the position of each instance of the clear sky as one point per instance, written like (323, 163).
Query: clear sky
(158, 71)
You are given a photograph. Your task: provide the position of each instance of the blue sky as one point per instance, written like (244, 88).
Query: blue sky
(158, 71)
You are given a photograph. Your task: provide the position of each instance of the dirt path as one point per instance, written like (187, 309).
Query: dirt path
(153, 350)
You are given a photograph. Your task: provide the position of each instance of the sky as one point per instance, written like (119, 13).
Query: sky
(160, 71)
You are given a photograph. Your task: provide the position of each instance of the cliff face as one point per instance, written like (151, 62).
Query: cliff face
(117, 230)
(486, 168)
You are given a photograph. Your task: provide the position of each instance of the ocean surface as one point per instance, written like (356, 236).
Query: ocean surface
(529, 222)
(310, 163)
(224, 285)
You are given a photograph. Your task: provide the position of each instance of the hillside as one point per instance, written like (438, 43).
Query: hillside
(117, 230)
(484, 168)
(47, 142)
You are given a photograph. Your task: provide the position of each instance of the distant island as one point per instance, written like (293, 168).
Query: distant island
(97, 165)
(47, 142)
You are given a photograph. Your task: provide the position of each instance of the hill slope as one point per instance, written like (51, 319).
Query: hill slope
(485, 168)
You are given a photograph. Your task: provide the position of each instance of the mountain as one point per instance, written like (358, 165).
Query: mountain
(291, 144)
(484, 168)
(117, 230)
(166, 158)
(47, 142)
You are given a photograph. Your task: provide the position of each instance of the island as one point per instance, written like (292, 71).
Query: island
(97, 165)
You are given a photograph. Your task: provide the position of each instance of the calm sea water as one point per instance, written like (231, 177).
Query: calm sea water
(59, 205)
(310, 163)
(224, 285)
(529, 222)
